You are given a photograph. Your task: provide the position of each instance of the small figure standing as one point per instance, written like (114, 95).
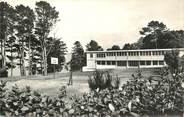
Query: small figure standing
(69, 68)
(70, 82)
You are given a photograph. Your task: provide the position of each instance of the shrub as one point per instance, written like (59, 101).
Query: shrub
(24, 102)
(139, 96)
(103, 80)
(2, 96)
(151, 96)
(160, 95)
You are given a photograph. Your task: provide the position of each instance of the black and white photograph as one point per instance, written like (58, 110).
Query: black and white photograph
(91, 58)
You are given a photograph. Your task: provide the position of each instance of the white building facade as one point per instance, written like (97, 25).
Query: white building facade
(123, 59)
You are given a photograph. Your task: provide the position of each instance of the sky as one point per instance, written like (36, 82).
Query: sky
(109, 22)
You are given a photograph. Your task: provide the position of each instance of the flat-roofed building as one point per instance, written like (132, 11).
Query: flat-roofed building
(122, 59)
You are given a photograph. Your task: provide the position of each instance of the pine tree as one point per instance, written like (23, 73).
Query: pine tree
(58, 50)
(78, 57)
(25, 23)
(46, 17)
(6, 28)
(12, 50)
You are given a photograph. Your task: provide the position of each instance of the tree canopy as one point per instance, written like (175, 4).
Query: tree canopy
(78, 57)
(93, 46)
(46, 17)
(57, 50)
(157, 35)
(25, 38)
(173, 60)
(114, 47)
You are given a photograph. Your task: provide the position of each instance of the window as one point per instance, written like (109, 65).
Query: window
(143, 53)
(155, 62)
(113, 63)
(130, 53)
(154, 53)
(91, 55)
(109, 63)
(133, 53)
(146, 53)
(137, 53)
(111, 54)
(148, 62)
(158, 53)
(119, 54)
(142, 63)
(98, 62)
(121, 63)
(133, 63)
(149, 53)
(103, 62)
(101, 55)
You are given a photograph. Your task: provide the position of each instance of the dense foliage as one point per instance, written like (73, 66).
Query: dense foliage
(114, 47)
(157, 35)
(140, 96)
(173, 60)
(156, 95)
(58, 51)
(93, 46)
(25, 38)
(78, 59)
(26, 102)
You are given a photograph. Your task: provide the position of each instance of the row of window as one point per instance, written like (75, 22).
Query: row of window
(100, 55)
(141, 53)
(130, 63)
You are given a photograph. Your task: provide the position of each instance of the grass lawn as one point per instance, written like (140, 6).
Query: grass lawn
(50, 86)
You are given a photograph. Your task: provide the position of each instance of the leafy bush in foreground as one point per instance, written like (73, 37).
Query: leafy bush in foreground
(156, 95)
(140, 96)
(2, 96)
(24, 102)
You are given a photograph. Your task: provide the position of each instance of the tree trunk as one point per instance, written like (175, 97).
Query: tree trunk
(44, 62)
(1, 56)
(20, 65)
(11, 62)
(4, 38)
(3, 53)
(23, 61)
(29, 61)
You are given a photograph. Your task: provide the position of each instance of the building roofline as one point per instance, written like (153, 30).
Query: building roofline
(135, 50)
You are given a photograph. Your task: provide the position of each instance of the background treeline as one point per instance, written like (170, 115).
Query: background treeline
(25, 38)
(155, 35)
